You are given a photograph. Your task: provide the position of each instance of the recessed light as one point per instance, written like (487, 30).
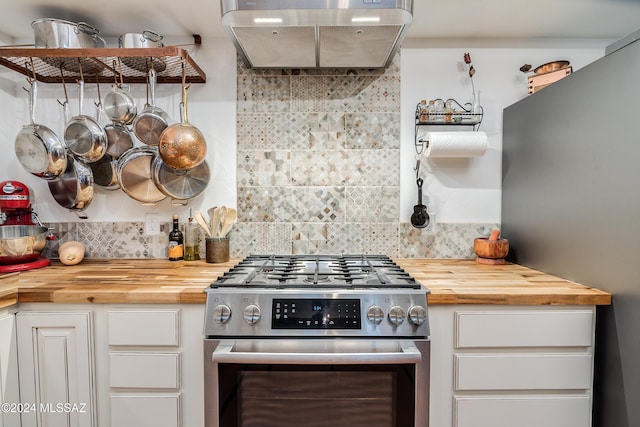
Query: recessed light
(268, 20)
(366, 19)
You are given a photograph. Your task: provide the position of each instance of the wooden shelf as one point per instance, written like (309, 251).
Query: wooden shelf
(97, 64)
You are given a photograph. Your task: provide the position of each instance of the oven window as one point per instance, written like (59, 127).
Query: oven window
(316, 396)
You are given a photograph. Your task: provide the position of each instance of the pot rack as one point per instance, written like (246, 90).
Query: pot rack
(46, 64)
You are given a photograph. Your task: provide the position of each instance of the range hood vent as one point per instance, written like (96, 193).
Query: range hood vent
(317, 33)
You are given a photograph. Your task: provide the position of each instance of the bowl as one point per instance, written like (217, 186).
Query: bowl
(551, 66)
(21, 243)
(491, 249)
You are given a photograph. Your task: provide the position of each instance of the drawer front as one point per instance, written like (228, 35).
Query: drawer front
(524, 328)
(144, 327)
(526, 411)
(144, 370)
(145, 411)
(523, 372)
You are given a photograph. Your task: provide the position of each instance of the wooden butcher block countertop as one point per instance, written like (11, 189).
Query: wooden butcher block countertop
(159, 281)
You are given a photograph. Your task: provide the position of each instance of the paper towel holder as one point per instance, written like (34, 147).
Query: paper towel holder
(452, 114)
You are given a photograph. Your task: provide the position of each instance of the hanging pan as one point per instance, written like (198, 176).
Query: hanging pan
(182, 145)
(152, 121)
(83, 134)
(180, 185)
(38, 148)
(119, 105)
(73, 189)
(134, 175)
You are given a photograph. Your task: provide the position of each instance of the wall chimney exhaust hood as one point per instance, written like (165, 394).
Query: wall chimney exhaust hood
(317, 33)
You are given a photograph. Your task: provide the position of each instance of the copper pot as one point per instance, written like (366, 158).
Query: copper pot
(182, 146)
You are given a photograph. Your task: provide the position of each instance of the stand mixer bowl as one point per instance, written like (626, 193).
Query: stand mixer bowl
(21, 243)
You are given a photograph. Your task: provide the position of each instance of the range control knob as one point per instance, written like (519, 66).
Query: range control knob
(375, 314)
(222, 313)
(396, 315)
(251, 314)
(417, 315)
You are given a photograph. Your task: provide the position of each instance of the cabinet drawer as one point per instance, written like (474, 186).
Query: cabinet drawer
(145, 411)
(524, 328)
(144, 327)
(523, 372)
(525, 411)
(144, 370)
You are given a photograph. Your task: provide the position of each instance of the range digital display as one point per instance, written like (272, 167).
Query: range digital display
(313, 313)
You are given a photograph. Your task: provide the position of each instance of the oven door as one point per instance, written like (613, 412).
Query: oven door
(316, 383)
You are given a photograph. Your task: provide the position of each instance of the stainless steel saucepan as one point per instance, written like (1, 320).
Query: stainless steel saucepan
(38, 148)
(152, 121)
(146, 39)
(73, 189)
(83, 134)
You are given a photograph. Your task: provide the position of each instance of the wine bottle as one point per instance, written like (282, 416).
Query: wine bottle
(176, 242)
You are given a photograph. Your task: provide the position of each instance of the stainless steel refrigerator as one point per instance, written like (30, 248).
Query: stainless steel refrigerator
(571, 206)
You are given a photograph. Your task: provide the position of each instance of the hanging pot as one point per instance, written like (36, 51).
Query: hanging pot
(146, 39)
(83, 134)
(152, 121)
(134, 175)
(38, 148)
(119, 105)
(182, 145)
(73, 189)
(119, 139)
(180, 184)
(104, 173)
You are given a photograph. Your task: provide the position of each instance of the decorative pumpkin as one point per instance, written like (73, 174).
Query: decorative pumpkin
(71, 253)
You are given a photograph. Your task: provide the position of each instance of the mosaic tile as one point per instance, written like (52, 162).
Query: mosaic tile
(372, 204)
(260, 238)
(263, 168)
(271, 93)
(372, 130)
(371, 168)
(318, 167)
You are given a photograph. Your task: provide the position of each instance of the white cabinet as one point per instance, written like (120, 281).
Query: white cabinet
(9, 391)
(56, 368)
(495, 366)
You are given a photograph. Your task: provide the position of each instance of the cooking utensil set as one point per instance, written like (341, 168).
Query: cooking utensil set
(221, 220)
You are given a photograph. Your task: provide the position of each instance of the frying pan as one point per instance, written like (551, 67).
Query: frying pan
(134, 175)
(182, 145)
(83, 134)
(180, 184)
(104, 173)
(73, 189)
(38, 148)
(152, 121)
(119, 105)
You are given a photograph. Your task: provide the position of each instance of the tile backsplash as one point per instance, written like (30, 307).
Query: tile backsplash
(318, 164)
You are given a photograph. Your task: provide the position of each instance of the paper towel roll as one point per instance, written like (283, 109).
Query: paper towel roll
(455, 144)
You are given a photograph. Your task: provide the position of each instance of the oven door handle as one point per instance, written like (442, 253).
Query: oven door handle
(408, 354)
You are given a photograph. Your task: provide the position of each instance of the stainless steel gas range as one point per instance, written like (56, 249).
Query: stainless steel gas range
(316, 340)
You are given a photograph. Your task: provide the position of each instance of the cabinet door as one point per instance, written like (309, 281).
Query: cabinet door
(56, 368)
(8, 370)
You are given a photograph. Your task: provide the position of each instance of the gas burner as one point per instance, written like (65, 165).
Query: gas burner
(317, 271)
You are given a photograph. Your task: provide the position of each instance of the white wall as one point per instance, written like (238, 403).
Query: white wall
(212, 109)
(466, 190)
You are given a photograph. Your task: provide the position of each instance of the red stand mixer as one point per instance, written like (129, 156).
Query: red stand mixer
(20, 239)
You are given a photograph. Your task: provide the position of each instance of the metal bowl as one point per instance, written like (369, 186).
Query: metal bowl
(551, 66)
(21, 243)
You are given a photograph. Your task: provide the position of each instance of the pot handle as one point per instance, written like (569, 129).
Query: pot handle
(151, 35)
(178, 202)
(87, 29)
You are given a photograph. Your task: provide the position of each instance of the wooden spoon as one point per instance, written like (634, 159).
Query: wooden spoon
(229, 220)
(202, 223)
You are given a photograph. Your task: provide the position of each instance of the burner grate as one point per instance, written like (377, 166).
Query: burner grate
(317, 272)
